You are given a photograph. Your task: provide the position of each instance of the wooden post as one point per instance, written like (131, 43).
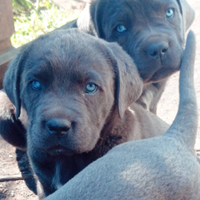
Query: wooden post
(6, 30)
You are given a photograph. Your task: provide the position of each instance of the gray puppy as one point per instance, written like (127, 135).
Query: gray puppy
(160, 168)
(151, 32)
(76, 90)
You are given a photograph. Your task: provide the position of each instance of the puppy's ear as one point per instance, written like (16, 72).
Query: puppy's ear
(128, 84)
(187, 13)
(85, 22)
(90, 21)
(11, 81)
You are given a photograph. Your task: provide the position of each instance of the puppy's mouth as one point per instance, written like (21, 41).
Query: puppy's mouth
(160, 75)
(60, 151)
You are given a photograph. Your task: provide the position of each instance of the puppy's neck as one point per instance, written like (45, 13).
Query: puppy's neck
(56, 181)
(116, 131)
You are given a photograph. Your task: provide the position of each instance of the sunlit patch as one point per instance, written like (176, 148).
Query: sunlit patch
(132, 111)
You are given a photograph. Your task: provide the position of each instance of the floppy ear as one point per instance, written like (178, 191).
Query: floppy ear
(89, 20)
(187, 13)
(128, 84)
(11, 82)
(85, 21)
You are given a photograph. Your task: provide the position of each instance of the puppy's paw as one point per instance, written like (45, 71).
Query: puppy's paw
(7, 109)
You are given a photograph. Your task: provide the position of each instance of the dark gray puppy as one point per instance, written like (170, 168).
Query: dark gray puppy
(76, 90)
(160, 168)
(152, 32)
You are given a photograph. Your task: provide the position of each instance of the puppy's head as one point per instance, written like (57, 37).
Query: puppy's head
(151, 32)
(70, 83)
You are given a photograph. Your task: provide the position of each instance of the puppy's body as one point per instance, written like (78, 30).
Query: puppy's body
(76, 91)
(159, 168)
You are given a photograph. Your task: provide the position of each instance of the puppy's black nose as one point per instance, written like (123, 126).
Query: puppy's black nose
(157, 50)
(58, 126)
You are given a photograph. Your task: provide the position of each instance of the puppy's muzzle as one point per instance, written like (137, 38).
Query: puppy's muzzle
(157, 50)
(58, 127)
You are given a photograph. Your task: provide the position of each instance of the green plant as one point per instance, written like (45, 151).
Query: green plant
(34, 18)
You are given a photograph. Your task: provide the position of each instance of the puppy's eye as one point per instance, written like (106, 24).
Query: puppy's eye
(91, 88)
(170, 13)
(36, 85)
(121, 29)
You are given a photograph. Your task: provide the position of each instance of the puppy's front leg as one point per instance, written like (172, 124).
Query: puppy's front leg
(44, 168)
(40, 190)
(11, 129)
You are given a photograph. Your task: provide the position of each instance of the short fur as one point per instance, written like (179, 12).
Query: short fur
(160, 168)
(85, 126)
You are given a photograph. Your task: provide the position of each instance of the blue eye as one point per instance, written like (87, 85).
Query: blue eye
(36, 85)
(91, 88)
(121, 29)
(170, 13)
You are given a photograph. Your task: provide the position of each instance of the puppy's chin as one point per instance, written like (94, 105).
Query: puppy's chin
(61, 147)
(160, 75)
(60, 151)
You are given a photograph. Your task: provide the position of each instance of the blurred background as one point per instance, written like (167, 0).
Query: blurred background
(35, 17)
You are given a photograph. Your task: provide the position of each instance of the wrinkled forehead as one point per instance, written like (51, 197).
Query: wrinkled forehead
(68, 60)
(138, 7)
(153, 5)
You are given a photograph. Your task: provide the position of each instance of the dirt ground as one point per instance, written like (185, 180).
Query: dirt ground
(17, 190)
